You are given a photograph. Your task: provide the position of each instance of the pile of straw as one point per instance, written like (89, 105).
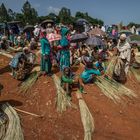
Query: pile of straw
(110, 67)
(86, 117)
(14, 131)
(6, 54)
(62, 100)
(114, 90)
(136, 73)
(3, 124)
(29, 82)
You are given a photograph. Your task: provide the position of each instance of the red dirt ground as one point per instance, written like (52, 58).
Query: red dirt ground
(112, 121)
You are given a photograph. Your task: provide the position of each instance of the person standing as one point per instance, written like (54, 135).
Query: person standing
(64, 49)
(124, 50)
(46, 63)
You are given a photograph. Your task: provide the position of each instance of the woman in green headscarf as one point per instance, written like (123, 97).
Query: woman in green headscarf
(64, 49)
(46, 64)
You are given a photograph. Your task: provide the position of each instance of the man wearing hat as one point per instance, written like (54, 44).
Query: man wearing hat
(124, 50)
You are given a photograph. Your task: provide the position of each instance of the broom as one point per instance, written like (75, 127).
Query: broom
(114, 90)
(14, 131)
(29, 82)
(62, 100)
(86, 117)
(136, 73)
(110, 67)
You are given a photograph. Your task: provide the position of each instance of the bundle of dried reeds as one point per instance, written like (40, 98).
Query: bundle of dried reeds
(136, 73)
(3, 124)
(86, 117)
(62, 100)
(29, 82)
(14, 131)
(114, 90)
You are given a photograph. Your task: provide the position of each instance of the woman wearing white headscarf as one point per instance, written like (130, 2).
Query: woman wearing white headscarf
(124, 49)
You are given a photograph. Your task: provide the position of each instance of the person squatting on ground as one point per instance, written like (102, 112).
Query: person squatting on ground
(68, 79)
(93, 70)
(22, 64)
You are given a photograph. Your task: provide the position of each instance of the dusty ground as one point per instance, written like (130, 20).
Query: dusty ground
(112, 121)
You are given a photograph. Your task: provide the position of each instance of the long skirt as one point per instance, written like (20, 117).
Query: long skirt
(46, 65)
(64, 59)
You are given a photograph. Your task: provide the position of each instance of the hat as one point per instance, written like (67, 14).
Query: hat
(123, 36)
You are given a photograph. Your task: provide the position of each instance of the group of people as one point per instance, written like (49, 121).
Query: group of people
(57, 50)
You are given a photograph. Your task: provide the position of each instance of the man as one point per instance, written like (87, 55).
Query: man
(124, 50)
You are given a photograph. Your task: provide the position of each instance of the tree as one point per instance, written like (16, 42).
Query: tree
(20, 17)
(88, 18)
(79, 15)
(131, 24)
(54, 17)
(65, 16)
(12, 15)
(30, 14)
(3, 13)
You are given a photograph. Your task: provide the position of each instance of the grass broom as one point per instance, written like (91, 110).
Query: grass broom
(114, 90)
(62, 101)
(29, 82)
(86, 117)
(14, 131)
(136, 73)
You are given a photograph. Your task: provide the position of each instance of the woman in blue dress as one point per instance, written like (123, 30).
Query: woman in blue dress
(64, 58)
(46, 64)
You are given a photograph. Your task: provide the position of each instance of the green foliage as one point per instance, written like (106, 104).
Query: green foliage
(131, 24)
(4, 17)
(65, 16)
(54, 17)
(88, 18)
(12, 15)
(20, 17)
(30, 14)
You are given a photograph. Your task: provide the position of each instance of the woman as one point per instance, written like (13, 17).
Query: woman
(46, 64)
(22, 64)
(68, 79)
(64, 49)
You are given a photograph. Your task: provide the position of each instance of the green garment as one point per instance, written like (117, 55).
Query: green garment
(11, 37)
(64, 52)
(46, 64)
(45, 46)
(66, 79)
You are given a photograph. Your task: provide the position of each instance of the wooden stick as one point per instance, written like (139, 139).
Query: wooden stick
(32, 114)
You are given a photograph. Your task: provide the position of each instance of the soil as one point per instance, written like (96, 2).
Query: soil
(112, 121)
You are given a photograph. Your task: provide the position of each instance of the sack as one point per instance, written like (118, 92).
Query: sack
(119, 71)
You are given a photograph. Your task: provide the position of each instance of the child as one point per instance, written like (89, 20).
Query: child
(68, 79)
